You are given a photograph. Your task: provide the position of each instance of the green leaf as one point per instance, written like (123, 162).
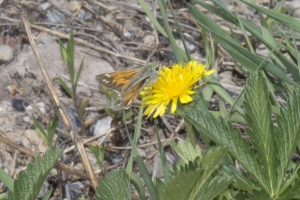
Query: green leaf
(180, 32)
(186, 151)
(51, 128)
(283, 19)
(99, 152)
(240, 180)
(70, 59)
(292, 190)
(267, 35)
(136, 181)
(47, 195)
(115, 186)
(164, 161)
(135, 139)
(42, 132)
(63, 85)
(63, 51)
(254, 29)
(222, 132)
(78, 74)
(186, 185)
(81, 110)
(258, 117)
(213, 188)
(6, 179)
(177, 51)
(145, 174)
(152, 18)
(29, 182)
(287, 135)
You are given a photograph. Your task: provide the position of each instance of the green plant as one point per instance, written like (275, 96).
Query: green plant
(28, 184)
(266, 156)
(48, 134)
(67, 54)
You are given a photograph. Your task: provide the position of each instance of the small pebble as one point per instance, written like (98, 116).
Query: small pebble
(146, 27)
(74, 6)
(19, 104)
(6, 53)
(45, 6)
(41, 107)
(74, 120)
(55, 17)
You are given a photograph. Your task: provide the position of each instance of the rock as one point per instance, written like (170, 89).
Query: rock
(55, 17)
(45, 6)
(73, 118)
(101, 126)
(41, 106)
(74, 6)
(6, 54)
(19, 104)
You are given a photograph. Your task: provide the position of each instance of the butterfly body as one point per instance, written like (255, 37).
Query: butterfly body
(128, 83)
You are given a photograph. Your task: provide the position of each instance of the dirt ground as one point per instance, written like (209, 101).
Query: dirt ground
(110, 35)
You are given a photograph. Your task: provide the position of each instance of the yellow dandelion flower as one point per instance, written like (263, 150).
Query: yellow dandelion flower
(176, 82)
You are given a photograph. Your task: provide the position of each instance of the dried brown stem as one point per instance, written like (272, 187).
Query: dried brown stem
(59, 165)
(62, 112)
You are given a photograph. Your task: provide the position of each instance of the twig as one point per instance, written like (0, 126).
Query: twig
(62, 112)
(82, 42)
(163, 141)
(60, 165)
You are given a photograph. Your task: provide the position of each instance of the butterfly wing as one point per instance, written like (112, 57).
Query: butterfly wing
(118, 80)
(133, 92)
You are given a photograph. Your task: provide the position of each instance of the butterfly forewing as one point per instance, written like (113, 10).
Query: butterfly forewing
(118, 80)
(128, 83)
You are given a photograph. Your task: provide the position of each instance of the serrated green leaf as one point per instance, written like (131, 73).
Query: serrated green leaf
(292, 190)
(240, 180)
(186, 151)
(258, 117)
(222, 132)
(180, 186)
(213, 188)
(287, 135)
(29, 182)
(136, 181)
(186, 184)
(115, 186)
(63, 85)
